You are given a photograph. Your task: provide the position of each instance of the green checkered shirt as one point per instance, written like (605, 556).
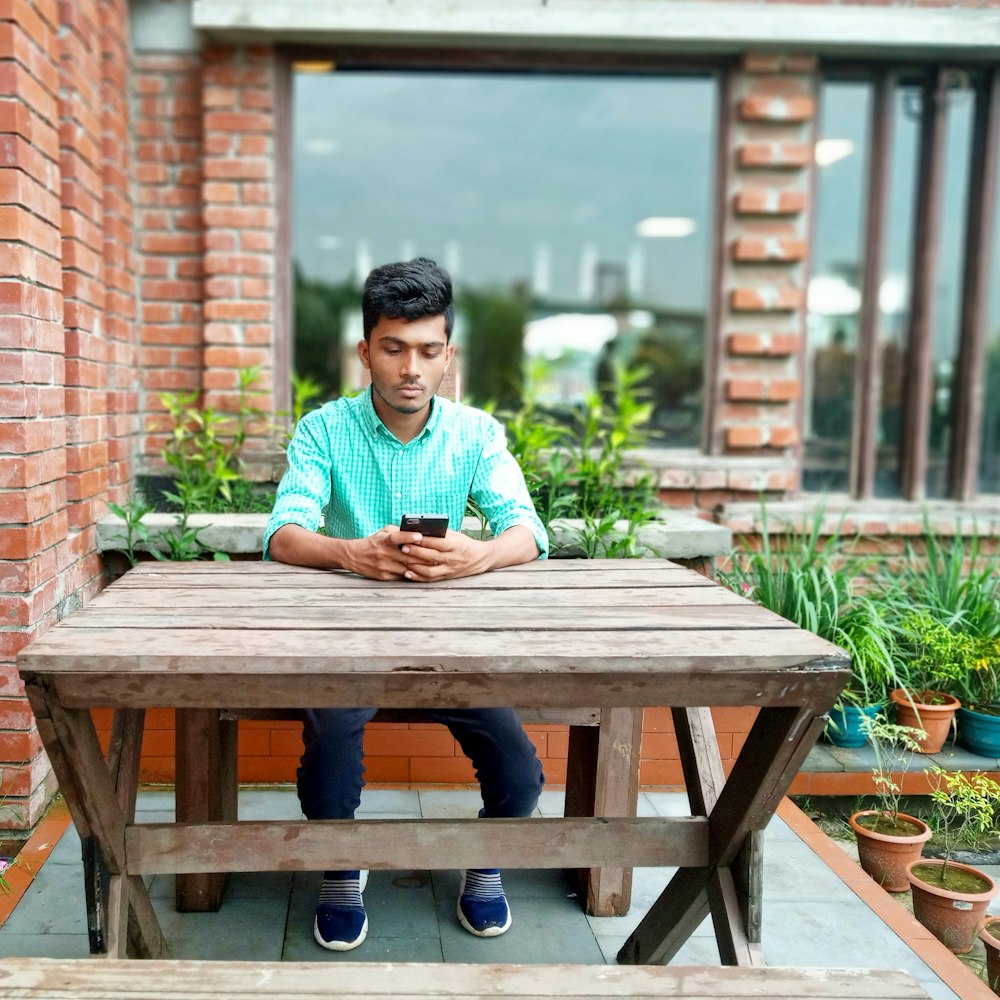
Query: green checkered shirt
(348, 473)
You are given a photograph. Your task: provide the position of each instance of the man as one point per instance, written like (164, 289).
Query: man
(359, 464)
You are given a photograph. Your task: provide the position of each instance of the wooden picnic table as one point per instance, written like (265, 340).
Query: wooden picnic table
(561, 634)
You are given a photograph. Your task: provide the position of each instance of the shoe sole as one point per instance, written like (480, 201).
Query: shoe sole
(340, 945)
(487, 932)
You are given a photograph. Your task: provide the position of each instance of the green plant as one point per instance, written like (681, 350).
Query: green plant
(934, 656)
(953, 581)
(204, 446)
(583, 471)
(964, 806)
(132, 514)
(809, 577)
(893, 745)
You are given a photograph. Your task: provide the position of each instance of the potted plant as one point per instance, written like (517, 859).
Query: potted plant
(989, 934)
(888, 840)
(950, 898)
(935, 658)
(979, 717)
(862, 629)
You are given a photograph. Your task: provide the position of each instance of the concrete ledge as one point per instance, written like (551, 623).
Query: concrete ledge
(611, 26)
(867, 517)
(678, 535)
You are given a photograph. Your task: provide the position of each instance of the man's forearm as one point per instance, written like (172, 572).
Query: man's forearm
(292, 543)
(515, 546)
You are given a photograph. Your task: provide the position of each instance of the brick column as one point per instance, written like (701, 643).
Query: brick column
(168, 178)
(33, 520)
(241, 221)
(772, 120)
(117, 246)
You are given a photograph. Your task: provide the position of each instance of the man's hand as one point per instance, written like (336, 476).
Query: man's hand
(391, 554)
(456, 555)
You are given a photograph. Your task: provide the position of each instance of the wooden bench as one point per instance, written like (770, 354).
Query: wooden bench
(87, 979)
(602, 780)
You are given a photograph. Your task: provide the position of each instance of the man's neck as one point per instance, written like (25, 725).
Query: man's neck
(403, 426)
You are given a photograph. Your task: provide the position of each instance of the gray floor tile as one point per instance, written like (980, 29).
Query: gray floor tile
(269, 803)
(792, 874)
(668, 803)
(242, 930)
(548, 926)
(551, 803)
(820, 759)
(449, 804)
(13, 944)
(389, 802)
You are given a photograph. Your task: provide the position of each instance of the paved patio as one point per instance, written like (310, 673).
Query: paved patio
(811, 917)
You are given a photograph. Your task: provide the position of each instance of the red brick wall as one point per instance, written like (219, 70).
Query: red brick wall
(171, 240)
(65, 354)
(397, 753)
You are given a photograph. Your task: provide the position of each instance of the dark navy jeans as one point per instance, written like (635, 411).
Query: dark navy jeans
(332, 770)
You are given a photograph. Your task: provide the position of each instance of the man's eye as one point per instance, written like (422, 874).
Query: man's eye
(431, 354)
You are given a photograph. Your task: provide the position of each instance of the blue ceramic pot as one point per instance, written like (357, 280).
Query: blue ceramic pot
(846, 729)
(979, 732)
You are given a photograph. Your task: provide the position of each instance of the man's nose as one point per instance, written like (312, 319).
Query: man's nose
(411, 363)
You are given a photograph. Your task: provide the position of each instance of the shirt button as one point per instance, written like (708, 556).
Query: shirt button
(397, 495)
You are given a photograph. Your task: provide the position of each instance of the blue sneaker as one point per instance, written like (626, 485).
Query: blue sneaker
(482, 906)
(341, 922)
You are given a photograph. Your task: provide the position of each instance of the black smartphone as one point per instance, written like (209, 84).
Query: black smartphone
(434, 525)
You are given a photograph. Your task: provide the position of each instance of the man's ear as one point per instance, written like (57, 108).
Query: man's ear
(363, 354)
(449, 356)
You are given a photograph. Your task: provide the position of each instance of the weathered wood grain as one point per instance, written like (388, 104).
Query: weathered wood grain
(47, 979)
(315, 845)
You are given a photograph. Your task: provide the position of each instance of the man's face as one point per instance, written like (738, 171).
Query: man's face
(407, 361)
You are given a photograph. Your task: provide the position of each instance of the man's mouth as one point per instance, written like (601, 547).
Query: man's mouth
(409, 389)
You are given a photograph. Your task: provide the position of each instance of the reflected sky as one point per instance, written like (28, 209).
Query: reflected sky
(506, 178)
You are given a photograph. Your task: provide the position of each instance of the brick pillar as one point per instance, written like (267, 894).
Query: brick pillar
(772, 122)
(241, 220)
(168, 151)
(117, 247)
(33, 520)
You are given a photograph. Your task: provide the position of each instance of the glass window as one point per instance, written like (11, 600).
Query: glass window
(989, 446)
(573, 212)
(947, 323)
(835, 286)
(894, 291)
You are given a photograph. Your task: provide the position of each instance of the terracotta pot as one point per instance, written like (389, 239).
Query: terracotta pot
(934, 717)
(885, 856)
(952, 917)
(989, 934)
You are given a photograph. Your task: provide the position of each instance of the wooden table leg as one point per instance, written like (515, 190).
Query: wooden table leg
(774, 751)
(602, 779)
(101, 804)
(735, 914)
(205, 783)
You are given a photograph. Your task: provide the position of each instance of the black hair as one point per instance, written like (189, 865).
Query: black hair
(409, 289)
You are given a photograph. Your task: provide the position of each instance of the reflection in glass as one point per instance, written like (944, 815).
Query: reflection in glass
(894, 293)
(573, 212)
(835, 289)
(989, 446)
(948, 294)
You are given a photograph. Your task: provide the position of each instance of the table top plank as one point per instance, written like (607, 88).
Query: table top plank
(367, 599)
(406, 616)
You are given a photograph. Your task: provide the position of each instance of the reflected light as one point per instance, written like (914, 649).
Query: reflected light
(313, 65)
(893, 294)
(318, 146)
(831, 150)
(665, 227)
(831, 295)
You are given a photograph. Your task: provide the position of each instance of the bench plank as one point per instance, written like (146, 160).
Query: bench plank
(316, 845)
(57, 979)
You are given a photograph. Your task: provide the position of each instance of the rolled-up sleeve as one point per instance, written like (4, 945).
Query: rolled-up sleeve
(499, 489)
(304, 490)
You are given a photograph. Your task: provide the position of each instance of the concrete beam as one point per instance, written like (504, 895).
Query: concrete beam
(650, 26)
(163, 26)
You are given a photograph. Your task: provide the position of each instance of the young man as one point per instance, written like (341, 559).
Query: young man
(357, 465)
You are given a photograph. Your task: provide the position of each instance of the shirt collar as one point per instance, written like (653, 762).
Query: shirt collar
(365, 409)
